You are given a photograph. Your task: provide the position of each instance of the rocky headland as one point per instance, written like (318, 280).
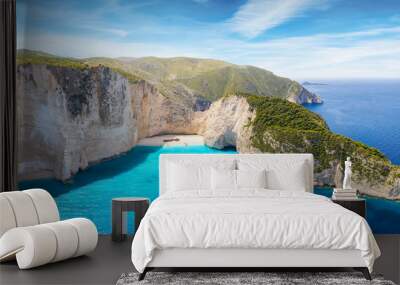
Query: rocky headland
(255, 124)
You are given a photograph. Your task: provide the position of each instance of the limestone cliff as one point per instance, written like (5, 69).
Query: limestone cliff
(222, 124)
(75, 112)
(70, 117)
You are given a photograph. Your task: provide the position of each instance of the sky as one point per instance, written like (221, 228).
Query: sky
(299, 39)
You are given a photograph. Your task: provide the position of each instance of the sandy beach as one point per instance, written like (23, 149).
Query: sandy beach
(172, 140)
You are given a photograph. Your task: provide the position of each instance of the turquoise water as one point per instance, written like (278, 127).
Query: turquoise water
(133, 174)
(136, 174)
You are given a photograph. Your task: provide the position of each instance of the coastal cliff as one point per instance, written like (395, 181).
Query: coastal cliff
(70, 117)
(256, 124)
(75, 112)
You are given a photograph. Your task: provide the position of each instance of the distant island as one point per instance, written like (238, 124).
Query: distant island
(306, 83)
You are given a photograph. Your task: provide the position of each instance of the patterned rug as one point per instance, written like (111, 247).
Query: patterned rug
(243, 278)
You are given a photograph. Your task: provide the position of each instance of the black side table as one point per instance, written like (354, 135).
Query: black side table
(356, 205)
(120, 207)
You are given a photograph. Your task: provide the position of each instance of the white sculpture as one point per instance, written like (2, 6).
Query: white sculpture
(347, 175)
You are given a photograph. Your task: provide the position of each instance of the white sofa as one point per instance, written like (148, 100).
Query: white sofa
(31, 231)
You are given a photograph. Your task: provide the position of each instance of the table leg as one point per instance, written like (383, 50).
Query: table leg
(117, 222)
(124, 221)
(140, 211)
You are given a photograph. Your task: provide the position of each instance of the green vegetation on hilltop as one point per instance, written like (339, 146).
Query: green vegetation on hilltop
(207, 78)
(176, 67)
(280, 113)
(33, 57)
(230, 79)
(280, 126)
(211, 79)
(121, 67)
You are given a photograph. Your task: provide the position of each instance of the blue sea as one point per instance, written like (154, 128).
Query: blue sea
(368, 111)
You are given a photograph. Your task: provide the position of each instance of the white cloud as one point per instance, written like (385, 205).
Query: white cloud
(373, 53)
(257, 16)
(53, 11)
(370, 32)
(368, 53)
(83, 47)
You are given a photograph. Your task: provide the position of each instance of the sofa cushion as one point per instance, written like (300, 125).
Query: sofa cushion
(7, 220)
(24, 210)
(46, 207)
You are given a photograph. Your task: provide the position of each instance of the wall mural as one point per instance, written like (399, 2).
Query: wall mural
(105, 86)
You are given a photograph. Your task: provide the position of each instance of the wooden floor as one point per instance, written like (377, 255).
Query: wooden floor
(111, 259)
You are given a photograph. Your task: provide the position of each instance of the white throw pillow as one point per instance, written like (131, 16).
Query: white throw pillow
(183, 178)
(223, 179)
(281, 174)
(227, 179)
(251, 179)
(186, 175)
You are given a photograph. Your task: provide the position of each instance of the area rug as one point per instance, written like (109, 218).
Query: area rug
(243, 278)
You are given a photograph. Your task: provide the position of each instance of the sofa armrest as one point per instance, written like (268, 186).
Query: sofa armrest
(40, 244)
(32, 246)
